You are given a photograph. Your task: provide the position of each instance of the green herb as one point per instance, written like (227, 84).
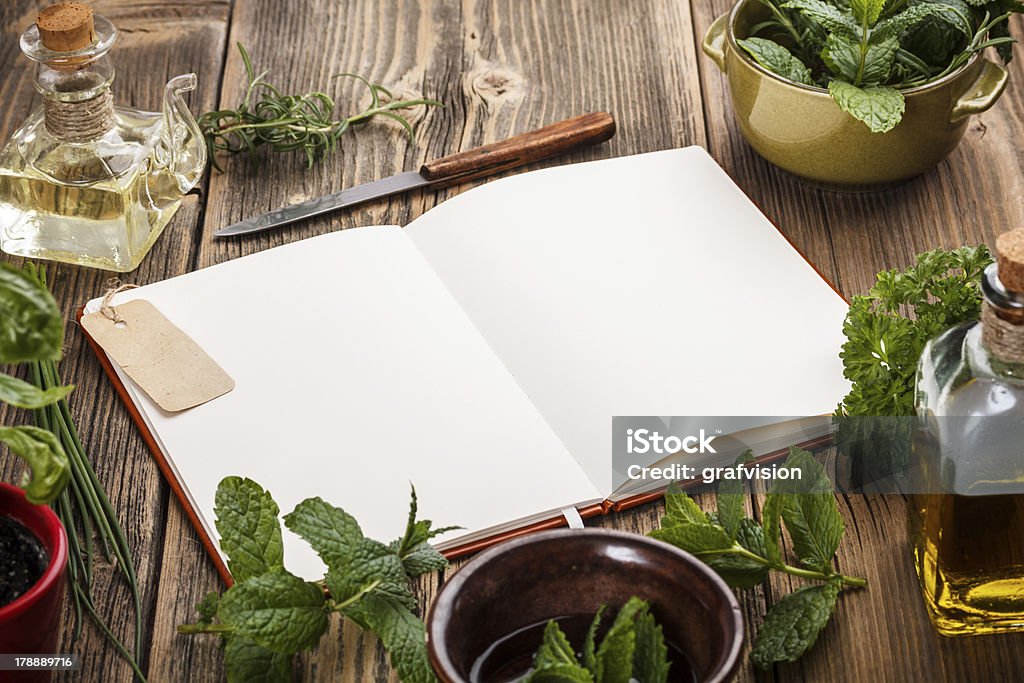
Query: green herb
(269, 615)
(31, 329)
(84, 508)
(866, 51)
(285, 123)
(632, 649)
(887, 328)
(743, 552)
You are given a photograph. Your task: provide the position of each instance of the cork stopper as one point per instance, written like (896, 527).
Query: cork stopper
(1010, 258)
(66, 26)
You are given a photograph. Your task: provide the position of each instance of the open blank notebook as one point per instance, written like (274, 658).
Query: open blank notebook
(481, 352)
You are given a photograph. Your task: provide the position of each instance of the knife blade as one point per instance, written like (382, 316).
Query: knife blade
(480, 162)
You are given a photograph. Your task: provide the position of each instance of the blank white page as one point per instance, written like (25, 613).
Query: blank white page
(643, 285)
(356, 373)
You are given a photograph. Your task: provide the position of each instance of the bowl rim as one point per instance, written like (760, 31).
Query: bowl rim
(730, 36)
(56, 546)
(452, 586)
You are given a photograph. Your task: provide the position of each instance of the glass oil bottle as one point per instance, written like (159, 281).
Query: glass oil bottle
(83, 181)
(966, 517)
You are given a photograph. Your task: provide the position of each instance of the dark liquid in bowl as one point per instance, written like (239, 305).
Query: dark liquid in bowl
(510, 658)
(22, 560)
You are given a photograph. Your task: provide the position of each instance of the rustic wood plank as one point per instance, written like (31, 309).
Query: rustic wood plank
(156, 41)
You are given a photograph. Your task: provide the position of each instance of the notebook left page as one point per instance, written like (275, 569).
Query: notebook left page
(356, 374)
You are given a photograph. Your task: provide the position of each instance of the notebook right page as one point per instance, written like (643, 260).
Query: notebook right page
(643, 285)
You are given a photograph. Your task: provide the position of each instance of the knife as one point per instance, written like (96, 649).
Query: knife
(491, 159)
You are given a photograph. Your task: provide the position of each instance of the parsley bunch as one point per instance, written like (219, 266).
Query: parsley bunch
(633, 649)
(269, 614)
(865, 51)
(887, 328)
(743, 552)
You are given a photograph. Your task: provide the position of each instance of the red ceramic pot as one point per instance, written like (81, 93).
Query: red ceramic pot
(30, 624)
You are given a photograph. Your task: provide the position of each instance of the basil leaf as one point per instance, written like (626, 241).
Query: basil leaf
(46, 459)
(777, 59)
(31, 327)
(278, 611)
(24, 395)
(793, 624)
(250, 533)
(881, 109)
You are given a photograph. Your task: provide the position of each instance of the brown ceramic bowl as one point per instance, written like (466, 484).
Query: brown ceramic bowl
(507, 594)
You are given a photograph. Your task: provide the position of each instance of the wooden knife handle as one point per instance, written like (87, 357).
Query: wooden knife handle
(542, 143)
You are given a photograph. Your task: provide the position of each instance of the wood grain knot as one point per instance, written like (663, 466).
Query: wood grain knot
(497, 84)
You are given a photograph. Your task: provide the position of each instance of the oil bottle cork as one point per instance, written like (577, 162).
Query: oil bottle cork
(66, 26)
(1010, 251)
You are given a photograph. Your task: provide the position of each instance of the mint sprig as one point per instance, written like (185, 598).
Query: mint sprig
(743, 552)
(269, 614)
(632, 649)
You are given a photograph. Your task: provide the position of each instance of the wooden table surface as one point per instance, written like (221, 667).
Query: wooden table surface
(501, 67)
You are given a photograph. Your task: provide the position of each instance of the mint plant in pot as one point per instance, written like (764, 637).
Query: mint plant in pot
(860, 92)
(33, 543)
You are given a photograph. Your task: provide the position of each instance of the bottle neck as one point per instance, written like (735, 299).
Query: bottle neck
(1002, 334)
(79, 120)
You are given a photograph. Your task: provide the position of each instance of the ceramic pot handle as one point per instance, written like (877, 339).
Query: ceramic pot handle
(987, 88)
(714, 41)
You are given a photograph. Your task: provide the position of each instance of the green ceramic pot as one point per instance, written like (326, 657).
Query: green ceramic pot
(800, 129)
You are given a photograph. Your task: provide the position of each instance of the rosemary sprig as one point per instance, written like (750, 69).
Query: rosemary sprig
(286, 123)
(85, 511)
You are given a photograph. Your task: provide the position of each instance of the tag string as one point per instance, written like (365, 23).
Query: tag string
(115, 287)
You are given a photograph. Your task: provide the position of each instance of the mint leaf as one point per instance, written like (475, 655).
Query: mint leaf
(250, 533)
(554, 649)
(741, 572)
(841, 56)
(614, 656)
(880, 108)
(423, 560)
(417, 555)
(731, 496)
(957, 17)
(277, 610)
(560, 673)
(793, 624)
(370, 566)
(333, 533)
(207, 607)
(867, 11)
(828, 15)
(812, 516)
(777, 59)
(650, 662)
(46, 459)
(878, 61)
(31, 327)
(589, 643)
(24, 395)
(403, 635)
(247, 662)
(681, 509)
(695, 538)
(771, 518)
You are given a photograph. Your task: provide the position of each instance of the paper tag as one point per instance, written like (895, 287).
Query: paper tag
(164, 361)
